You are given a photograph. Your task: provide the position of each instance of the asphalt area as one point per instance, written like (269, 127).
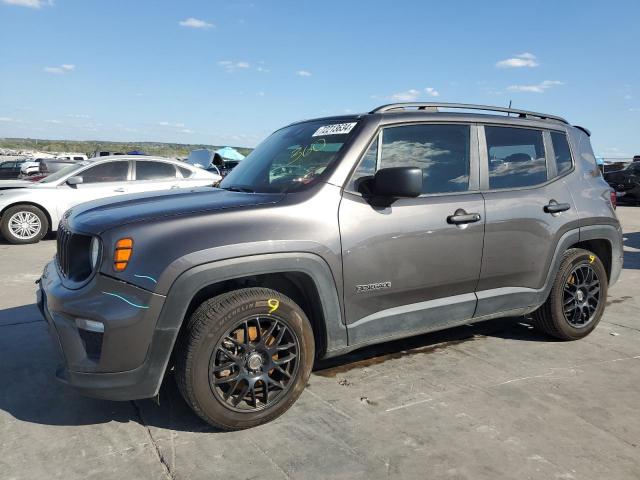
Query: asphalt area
(486, 401)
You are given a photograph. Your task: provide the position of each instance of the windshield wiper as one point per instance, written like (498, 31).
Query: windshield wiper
(237, 188)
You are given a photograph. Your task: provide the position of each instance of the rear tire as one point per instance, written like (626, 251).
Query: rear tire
(244, 358)
(577, 299)
(22, 224)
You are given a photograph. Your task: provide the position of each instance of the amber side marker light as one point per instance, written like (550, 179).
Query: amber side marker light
(122, 254)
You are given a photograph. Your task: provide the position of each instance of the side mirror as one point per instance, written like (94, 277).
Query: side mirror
(71, 181)
(397, 182)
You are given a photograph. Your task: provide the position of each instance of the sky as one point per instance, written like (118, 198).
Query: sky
(232, 71)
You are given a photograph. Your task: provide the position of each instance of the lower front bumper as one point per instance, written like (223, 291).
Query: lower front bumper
(124, 361)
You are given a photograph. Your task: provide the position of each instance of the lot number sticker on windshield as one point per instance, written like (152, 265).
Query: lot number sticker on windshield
(335, 129)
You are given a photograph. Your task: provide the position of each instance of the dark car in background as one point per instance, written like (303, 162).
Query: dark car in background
(52, 165)
(626, 182)
(227, 166)
(10, 169)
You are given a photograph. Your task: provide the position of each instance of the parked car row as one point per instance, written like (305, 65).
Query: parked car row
(626, 182)
(29, 210)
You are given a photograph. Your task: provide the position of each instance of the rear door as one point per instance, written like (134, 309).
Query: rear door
(152, 175)
(407, 266)
(528, 208)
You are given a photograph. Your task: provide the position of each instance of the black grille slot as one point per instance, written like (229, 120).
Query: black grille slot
(74, 255)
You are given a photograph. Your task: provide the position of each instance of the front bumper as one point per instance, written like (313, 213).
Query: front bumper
(106, 335)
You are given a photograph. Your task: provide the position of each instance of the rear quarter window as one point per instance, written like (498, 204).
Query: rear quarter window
(562, 152)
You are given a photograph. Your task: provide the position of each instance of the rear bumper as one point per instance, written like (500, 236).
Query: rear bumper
(106, 336)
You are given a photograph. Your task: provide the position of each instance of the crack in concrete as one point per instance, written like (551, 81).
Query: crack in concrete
(156, 448)
(622, 326)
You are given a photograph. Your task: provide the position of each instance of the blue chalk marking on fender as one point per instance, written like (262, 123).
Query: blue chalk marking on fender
(145, 276)
(125, 300)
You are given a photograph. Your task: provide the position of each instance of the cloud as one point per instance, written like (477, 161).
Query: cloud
(171, 125)
(633, 109)
(519, 61)
(432, 92)
(195, 23)
(303, 73)
(78, 115)
(60, 70)
(7, 119)
(538, 88)
(231, 66)
(29, 3)
(53, 121)
(186, 130)
(410, 95)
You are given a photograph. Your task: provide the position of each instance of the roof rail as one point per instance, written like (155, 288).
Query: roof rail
(433, 107)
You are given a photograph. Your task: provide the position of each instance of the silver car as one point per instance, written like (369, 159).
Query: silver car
(28, 211)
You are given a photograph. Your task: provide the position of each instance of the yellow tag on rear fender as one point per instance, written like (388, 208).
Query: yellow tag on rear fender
(592, 258)
(274, 304)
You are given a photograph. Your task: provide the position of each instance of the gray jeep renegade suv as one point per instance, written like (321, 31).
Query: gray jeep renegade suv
(333, 234)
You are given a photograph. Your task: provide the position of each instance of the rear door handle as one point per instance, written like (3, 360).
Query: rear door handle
(173, 187)
(120, 189)
(555, 207)
(461, 217)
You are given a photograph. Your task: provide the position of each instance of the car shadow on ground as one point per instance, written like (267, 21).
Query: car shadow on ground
(31, 393)
(632, 250)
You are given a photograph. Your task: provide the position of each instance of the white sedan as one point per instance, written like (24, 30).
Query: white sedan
(28, 211)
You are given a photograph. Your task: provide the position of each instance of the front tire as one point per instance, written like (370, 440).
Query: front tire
(24, 224)
(577, 299)
(244, 358)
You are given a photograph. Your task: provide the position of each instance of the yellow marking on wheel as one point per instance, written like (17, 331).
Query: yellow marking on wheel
(592, 258)
(274, 304)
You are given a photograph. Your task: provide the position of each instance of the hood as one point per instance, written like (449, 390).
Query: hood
(101, 215)
(11, 184)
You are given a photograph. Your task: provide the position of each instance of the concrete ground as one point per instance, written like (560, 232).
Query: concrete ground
(494, 400)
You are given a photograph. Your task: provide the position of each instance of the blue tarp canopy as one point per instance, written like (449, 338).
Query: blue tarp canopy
(229, 153)
(136, 152)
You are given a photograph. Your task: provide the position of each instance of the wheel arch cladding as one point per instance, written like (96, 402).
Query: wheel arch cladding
(298, 286)
(602, 248)
(305, 278)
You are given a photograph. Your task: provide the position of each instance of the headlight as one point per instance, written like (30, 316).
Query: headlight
(95, 252)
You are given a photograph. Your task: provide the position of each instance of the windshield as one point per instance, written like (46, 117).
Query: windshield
(291, 158)
(63, 172)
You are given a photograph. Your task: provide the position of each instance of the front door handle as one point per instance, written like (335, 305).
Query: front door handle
(460, 217)
(173, 187)
(120, 189)
(555, 207)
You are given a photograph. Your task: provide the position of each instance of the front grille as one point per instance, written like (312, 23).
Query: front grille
(74, 255)
(64, 237)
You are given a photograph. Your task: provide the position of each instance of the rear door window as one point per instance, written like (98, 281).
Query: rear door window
(516, 157)
(155, 171)
(561, 151)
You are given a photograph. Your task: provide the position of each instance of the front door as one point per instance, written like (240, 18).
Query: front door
(106, 179)
(408, 266)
